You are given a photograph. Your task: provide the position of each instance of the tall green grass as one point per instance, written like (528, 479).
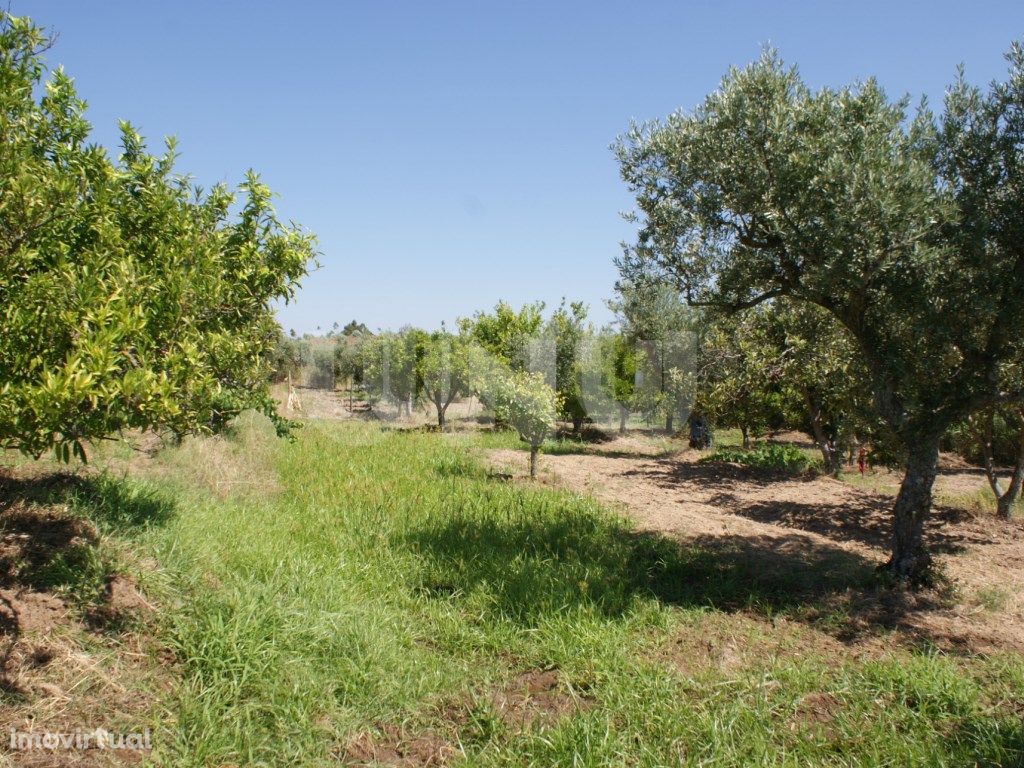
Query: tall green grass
(387, 585)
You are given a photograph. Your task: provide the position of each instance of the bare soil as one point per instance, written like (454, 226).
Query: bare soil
(67, 667)
(825, 531)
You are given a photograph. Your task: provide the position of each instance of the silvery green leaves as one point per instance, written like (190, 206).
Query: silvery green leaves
(907, 230)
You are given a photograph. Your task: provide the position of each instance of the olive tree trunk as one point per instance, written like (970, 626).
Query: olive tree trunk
(910, 561)
(1004, 499)
(623, 415)
(533, 461)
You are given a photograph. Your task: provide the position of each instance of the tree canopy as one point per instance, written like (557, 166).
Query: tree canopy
(906, 228)
(129, 298)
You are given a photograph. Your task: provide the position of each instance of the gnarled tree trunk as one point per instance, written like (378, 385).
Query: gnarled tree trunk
(1004, 499)
(910, 561)
(533, 460)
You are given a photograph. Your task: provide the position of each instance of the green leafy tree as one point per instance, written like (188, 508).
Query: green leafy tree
(526, 402)
(390, 367)
(128, 297)
(653, 315)
(566, 330)
(822, 377)
(908, 231)
(348, 359)
(505, 333)
(443, 371)
(621, 364)
(983, 428)
(288, 358)
(520, 399)
(738, 377)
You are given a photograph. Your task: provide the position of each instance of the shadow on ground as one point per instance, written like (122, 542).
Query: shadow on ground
(527, 569)
(50, 526)
(532, 568)
(862, 517)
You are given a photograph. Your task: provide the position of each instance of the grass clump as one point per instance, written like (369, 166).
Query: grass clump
(773, 456)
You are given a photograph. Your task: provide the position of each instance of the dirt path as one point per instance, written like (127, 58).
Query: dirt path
(826, 528)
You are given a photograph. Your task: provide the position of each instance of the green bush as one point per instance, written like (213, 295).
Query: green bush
(787, 458)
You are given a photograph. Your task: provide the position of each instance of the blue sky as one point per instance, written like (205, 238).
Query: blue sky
(448, 154)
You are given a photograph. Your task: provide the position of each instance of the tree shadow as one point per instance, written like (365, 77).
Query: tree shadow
(529, 569)
(866, 519)
(110, 503)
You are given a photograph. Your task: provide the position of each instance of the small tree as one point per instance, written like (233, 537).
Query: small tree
(738, 377)
(983, 425)
(566, 329)
(526, 402)
(348, 359)
(654, 317)
(288, 358)
(620, 366)
(520, 399)
(442, 370)
(390, 366)
(823, 378)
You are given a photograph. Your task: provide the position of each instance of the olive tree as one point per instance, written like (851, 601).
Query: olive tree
(983, 426)
(129, 298)
(908, 230)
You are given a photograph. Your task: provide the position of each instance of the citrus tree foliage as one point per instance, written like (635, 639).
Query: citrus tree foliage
(908, 230)
(442, 369)
(505, 333)
(128, 297)
(567, 332)
(653, 316)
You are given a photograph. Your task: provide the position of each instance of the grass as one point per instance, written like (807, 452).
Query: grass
(774, 456)
(371, 587)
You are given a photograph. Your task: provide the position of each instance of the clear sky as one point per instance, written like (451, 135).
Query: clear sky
(449, 154)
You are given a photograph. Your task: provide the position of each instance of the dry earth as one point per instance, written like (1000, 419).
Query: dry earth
(825, 529)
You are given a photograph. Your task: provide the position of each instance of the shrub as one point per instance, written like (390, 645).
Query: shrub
(786, 458)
